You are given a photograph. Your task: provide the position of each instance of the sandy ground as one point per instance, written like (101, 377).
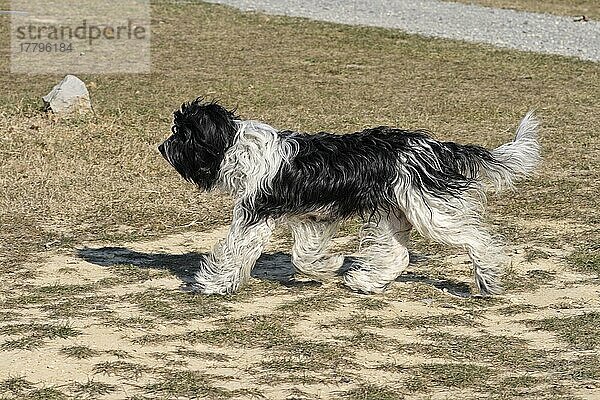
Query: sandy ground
(142, 342)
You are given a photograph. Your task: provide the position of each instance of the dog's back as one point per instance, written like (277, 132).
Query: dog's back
(359, 173)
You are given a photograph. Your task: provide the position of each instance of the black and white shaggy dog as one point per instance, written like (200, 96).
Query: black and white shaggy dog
(395, 179)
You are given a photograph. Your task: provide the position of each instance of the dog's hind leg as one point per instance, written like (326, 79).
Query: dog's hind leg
(456, 221)
(311, 239)
(228, 266)
(382, 255)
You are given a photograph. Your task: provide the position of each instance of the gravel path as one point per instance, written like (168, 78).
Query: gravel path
(527, 31)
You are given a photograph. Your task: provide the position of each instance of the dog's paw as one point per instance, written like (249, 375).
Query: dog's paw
(364, 283)
(197, 288)
(214, 284)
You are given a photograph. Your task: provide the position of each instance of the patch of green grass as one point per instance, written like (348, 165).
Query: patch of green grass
(473, 304)
(529, 387)
(59, 291)
(502, 351)
(177, 306)
(22, 343)
(266, 331)
(581, 331)
(370, 303)
(122, 369)
(92, 389)
(310, 355)
(425, 378)
(363, 339)
(579, 369)
(154, 338)
(204, 355)
(168, 359)
(321, 354)
(35, 334)
(66, 301)
(530, 281)
(370, 391)
(79, 352)
(138, 322)
(46, 331)
(433, 321)
(532, 254)
(50, 393)
(285, 370)
(323, 301)
(566, 303)
(92, 305)
(187, 384)
(441, 291)
(357, 321)
(515, 309)
(540, 275)
(522, 381)
(585, 368)
(508, 354)
(15, 385)
(586, 259)
(306, 362)
(450, 375)
(118, 353)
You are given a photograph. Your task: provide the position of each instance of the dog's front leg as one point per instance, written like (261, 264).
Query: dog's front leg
(229, 265)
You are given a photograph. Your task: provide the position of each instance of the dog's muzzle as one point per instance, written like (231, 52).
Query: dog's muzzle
(162, 150)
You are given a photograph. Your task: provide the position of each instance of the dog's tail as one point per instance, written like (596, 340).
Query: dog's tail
(514, 160)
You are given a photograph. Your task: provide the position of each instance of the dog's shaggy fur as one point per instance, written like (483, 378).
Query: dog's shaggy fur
(394, 179)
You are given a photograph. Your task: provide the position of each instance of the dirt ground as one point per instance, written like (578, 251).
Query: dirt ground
(116, 325)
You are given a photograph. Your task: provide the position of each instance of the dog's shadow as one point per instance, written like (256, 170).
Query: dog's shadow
(273, 267)
(270, 267)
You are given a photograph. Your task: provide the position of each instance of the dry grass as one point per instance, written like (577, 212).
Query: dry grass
(572, 8)
(123, 327)
(68, 180)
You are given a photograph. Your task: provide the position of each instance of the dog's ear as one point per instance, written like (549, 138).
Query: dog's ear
(185, 126)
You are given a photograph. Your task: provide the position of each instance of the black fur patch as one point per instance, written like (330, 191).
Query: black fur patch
(202, 133)
(345, 175)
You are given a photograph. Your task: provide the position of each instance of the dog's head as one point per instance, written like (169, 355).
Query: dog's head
(202, 133)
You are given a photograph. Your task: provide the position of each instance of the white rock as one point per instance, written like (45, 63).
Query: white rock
(69, 96)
